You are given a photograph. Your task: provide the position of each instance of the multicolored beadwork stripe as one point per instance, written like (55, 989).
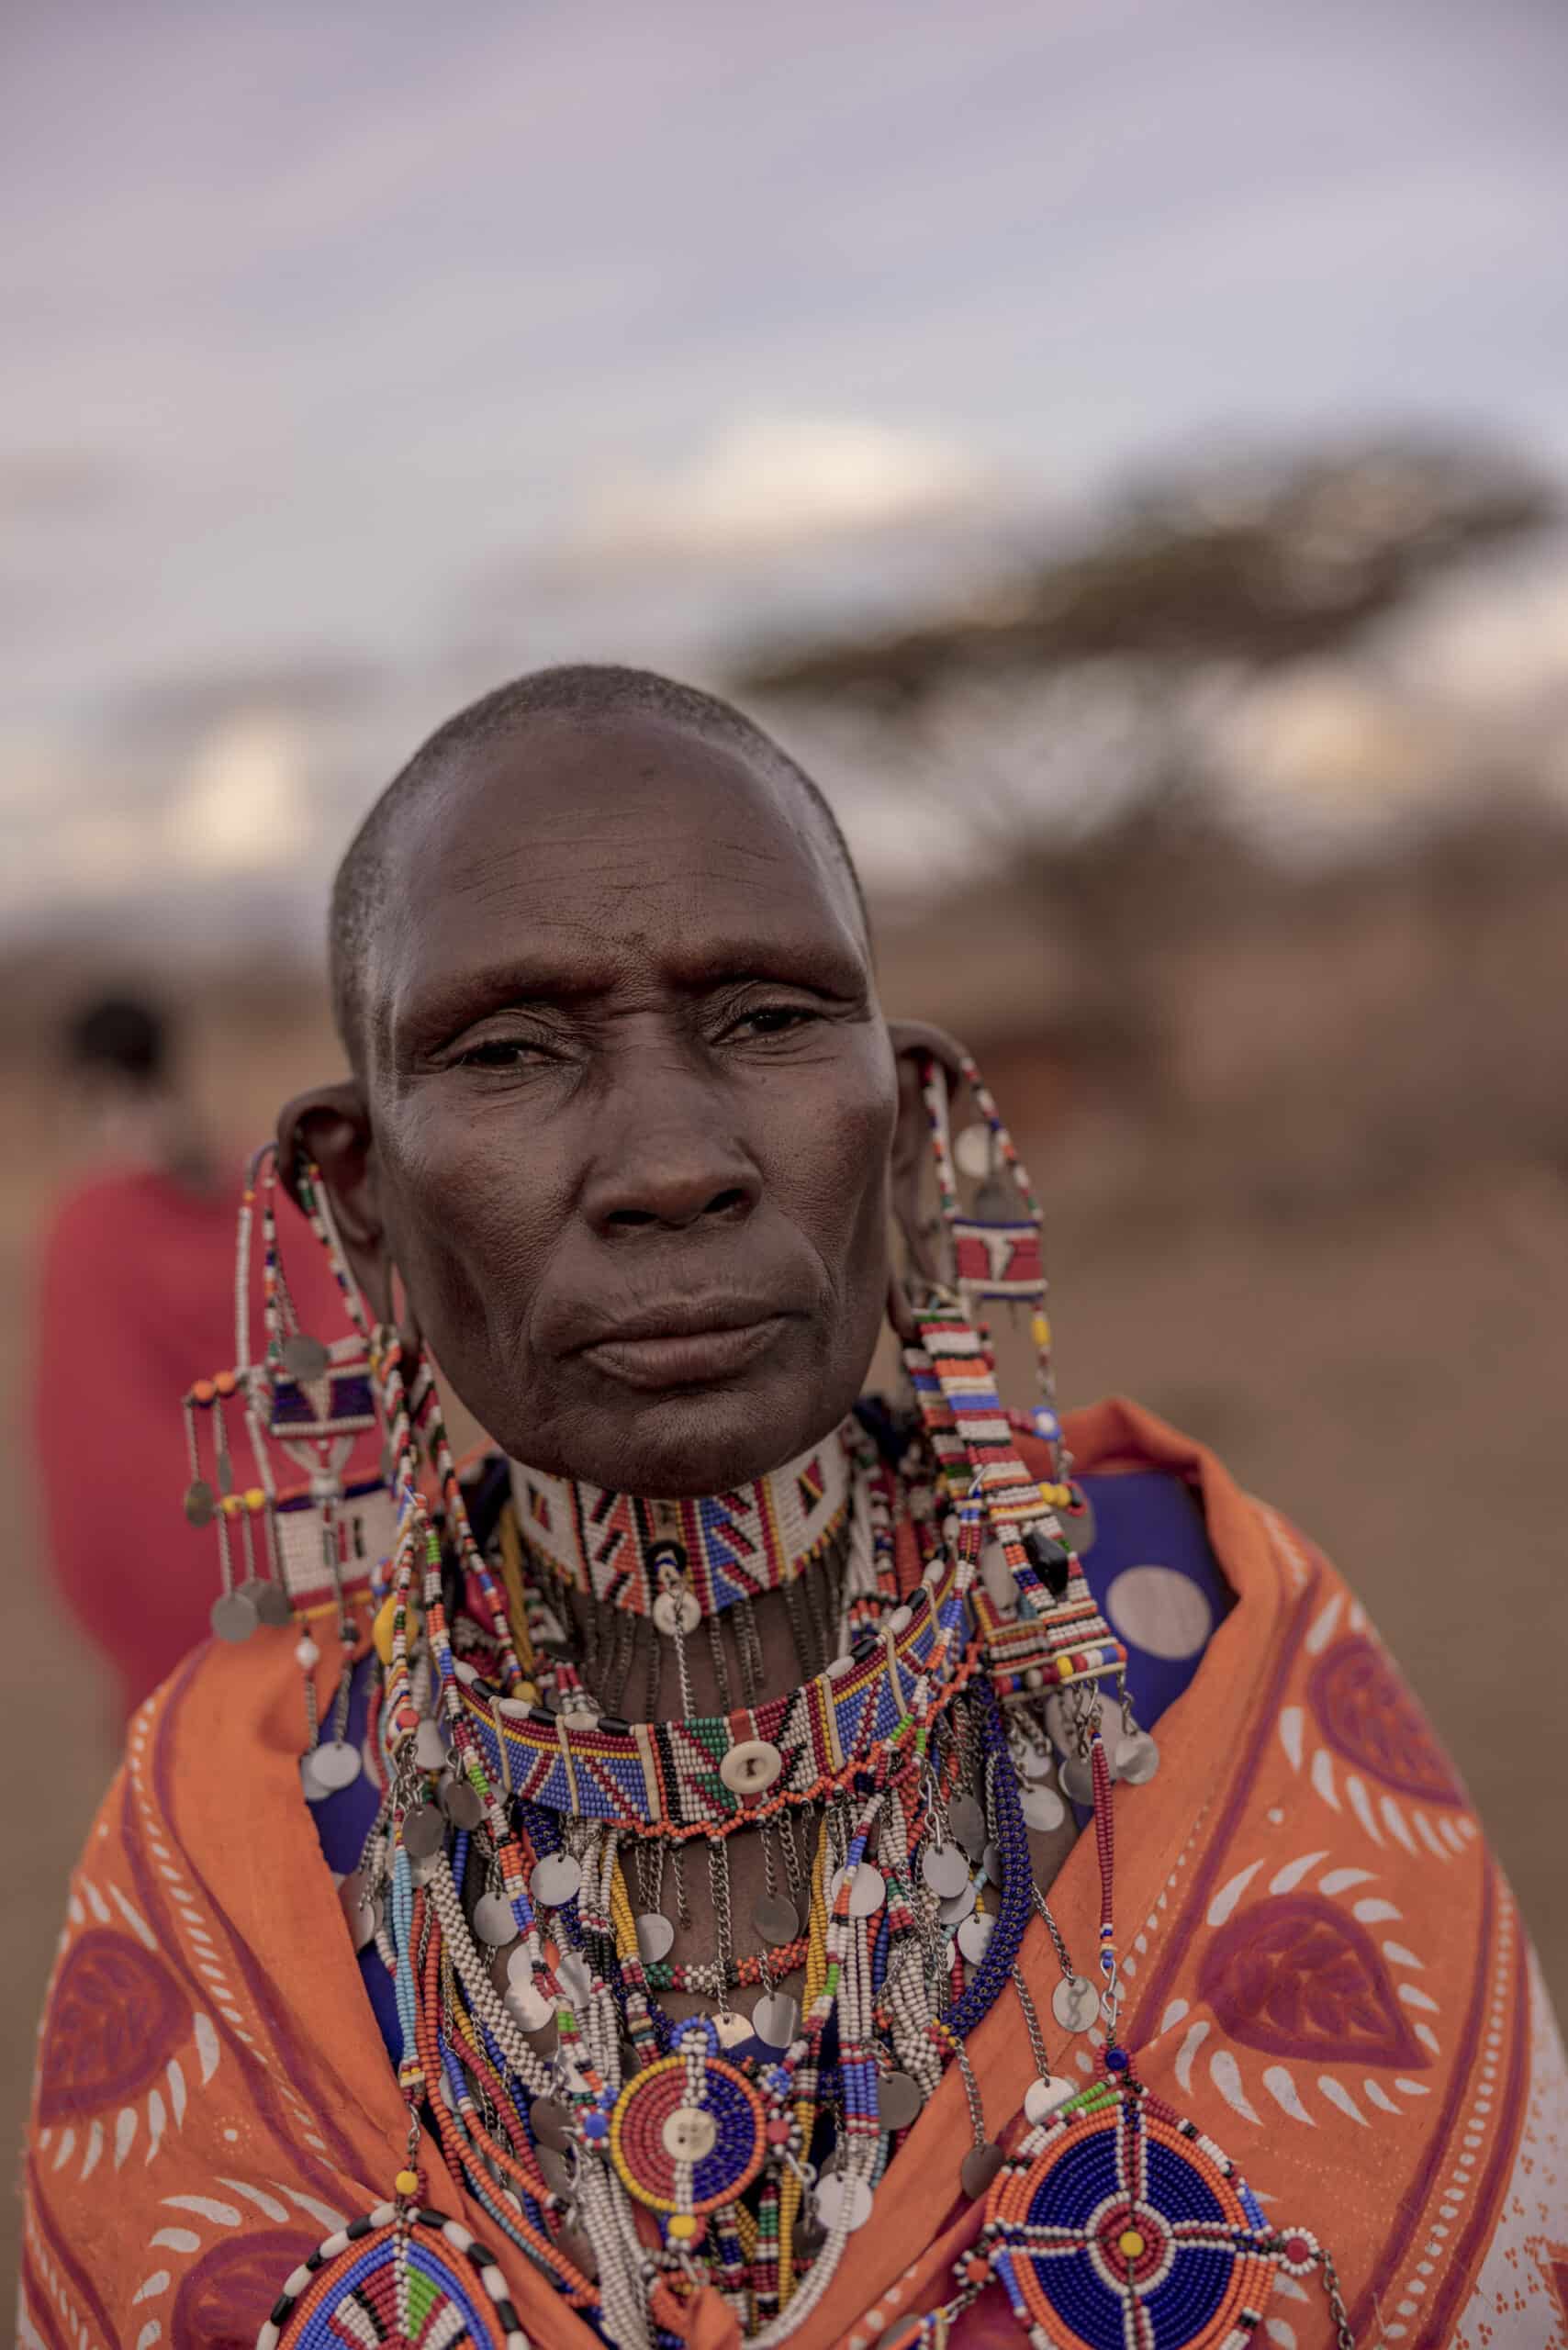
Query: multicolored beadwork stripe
(737, 1545)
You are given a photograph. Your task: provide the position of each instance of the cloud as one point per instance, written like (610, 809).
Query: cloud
(307, 686)
(57, 485)
(244, 808)
(767, 483)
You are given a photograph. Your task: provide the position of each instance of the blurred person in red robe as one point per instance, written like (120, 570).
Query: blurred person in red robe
(135, 1301)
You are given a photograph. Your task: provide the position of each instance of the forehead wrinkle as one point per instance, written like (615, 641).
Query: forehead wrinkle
(481, 877)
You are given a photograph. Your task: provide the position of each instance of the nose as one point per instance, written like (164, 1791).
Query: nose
(668, 1160)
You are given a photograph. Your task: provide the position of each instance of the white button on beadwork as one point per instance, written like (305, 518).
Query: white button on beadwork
(690, 2133)
(750, 1767)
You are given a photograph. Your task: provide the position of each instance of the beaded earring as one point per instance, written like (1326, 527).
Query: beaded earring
(290, 1545)
(1042, 1632)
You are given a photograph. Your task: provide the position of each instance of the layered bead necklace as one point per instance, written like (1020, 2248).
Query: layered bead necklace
(514, 1881)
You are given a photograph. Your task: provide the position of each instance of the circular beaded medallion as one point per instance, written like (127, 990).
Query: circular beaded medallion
(1123, 2223)
(405, 2283)
(661, 2121)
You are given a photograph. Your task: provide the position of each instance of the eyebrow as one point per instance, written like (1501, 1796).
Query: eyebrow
(443, 1001)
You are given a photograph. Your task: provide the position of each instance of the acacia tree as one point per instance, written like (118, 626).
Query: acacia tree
(1067, 719)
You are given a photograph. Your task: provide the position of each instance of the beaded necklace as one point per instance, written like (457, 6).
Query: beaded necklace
(637, 2157)
(625, 1551)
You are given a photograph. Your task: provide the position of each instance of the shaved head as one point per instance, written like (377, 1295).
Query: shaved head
(597, 694)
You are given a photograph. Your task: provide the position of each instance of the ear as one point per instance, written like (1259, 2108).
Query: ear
(330, 1125)
(915, 1041)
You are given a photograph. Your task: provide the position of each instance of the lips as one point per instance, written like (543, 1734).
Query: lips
(687, 1343)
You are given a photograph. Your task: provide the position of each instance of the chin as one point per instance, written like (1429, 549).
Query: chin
(692, 1443)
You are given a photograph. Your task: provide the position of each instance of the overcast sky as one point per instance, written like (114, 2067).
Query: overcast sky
(355, 359)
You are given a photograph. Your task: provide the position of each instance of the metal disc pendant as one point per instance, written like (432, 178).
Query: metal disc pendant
(899, 2101)
(975, 1933)
(1078, 1527)
(314, 1790)
(201, 1502)
(810, 2232)
(967, 1821)
(978, 2168)
(528, 2006)
(555, 1880)
(1042, 1807)
(575, 1978)
(992, 1863)
(1075, 2003)
(304, 1358)
(493, 1921)
(1044, 2096)
(424, 1831)
(777, 1920)
(842, 2201)
(337, 1763)
(461, 1803)
(1034, 1762)
(868, 1892)
(429, 1747)
(954, 1912)
(1139, 1760)
(551, 2124)
(579, 2251)
(656, 1936)
(946, 1869)
(271, 1603)
(776, 2019)
(234, 1617)
(732, 2028)
(1076, 1780)
(556, 2171)
(1000, 1584)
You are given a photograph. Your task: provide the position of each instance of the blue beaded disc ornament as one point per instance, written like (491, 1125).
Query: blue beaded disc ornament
(1119, 2226)
(402, 2278)
(689, 2133)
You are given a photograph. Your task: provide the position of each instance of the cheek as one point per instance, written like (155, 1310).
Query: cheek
(837, 1152)
(471, 1208)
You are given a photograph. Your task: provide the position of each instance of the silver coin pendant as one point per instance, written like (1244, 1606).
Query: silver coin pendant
(1075, 2003)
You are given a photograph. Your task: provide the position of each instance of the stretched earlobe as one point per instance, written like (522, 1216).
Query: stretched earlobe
(916, 1044)
(330, 1127)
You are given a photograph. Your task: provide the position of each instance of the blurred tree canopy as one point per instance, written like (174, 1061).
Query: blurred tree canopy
(1255, 565)
(1067, 720)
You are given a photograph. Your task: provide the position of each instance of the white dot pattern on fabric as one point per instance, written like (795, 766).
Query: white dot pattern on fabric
(1158, 1610)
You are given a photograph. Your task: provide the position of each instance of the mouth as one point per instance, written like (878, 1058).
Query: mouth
(684, 1345)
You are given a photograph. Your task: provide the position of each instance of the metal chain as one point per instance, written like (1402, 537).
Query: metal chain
(721, 1666)
(971, 2088)
(1063, 1961)
(1344, 2338)
(1032, 2025)
(719, 1890)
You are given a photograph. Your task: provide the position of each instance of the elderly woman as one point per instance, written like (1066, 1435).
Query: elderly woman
(745, 1862)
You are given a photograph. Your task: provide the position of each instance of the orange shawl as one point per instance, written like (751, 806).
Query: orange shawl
(1326, 1970)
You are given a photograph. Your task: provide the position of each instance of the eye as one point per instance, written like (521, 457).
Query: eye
(773, 1020)
(498, 1053)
